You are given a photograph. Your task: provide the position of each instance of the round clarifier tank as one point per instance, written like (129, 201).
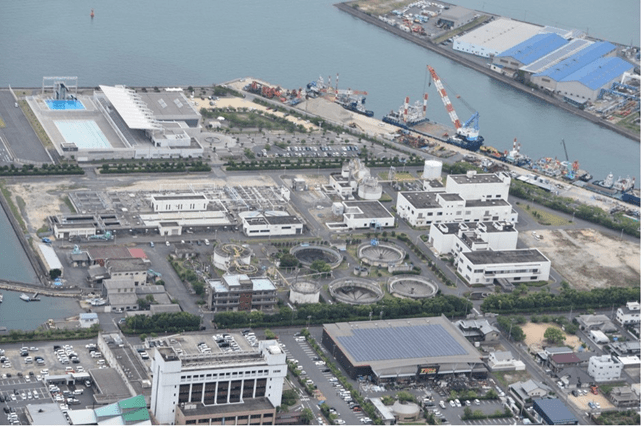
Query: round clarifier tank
(382, 255)
(356, 291)
(307, 254)
(412, 286)
(304, 292)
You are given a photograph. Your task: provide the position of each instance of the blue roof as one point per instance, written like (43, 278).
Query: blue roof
(554, 411)
(535, 47)
(581, 59)
(89, 316)
(599, 72)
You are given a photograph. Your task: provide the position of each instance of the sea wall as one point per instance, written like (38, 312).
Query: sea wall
(449, 53)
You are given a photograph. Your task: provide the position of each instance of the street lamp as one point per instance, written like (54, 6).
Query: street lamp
(308, 321)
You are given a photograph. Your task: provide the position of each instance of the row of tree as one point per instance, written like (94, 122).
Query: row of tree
(544, 301)
(150, 166)
(46, 169)
(163, 322)
(391, 308)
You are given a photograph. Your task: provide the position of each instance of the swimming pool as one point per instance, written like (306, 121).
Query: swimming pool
(84, 133)
(65, 105)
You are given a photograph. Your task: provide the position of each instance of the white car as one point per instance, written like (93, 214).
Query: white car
(451, 403)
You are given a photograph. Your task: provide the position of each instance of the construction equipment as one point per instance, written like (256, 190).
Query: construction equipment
(467, 134)
(593, 389)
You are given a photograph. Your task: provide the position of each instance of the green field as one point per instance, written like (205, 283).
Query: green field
(543, 217)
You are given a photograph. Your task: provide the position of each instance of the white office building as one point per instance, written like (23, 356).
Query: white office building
(456, 237)
(188, 389)
(270, 224)
(483, 267)
(605, 368)
(631, 314)
(467, 197)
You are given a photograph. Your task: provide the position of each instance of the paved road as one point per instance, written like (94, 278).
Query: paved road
(18, 134)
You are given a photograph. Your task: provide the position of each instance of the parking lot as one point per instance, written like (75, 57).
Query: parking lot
(22, 382)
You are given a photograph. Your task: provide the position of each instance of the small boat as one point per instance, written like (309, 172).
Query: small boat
(28, 298)
(92, 14)
(97, 302)
(1, 297)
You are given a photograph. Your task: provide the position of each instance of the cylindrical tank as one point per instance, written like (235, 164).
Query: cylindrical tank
(337, 208)
(433, 169)
(370, 191)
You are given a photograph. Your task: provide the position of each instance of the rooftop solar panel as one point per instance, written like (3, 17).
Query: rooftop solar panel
(405, 342)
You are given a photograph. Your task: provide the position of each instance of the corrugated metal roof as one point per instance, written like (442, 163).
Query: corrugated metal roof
(557, 56)
(600, 72)
(554, 410)
(50, 257)
(500, 34)
(130, 107)
(535, 47)
(576, 62)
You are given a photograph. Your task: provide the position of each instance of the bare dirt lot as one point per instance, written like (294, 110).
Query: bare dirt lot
(534, 335)
(589, 259)
(582, 401)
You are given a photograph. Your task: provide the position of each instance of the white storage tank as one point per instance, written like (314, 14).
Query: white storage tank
(337, 208)
(370, 190)
(433, 169)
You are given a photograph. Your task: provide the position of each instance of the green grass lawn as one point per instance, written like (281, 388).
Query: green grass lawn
(543, 217)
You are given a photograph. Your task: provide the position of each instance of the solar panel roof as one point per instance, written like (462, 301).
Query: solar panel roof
(581, 59)
(600, 72)
(394, 343)
(535, 47)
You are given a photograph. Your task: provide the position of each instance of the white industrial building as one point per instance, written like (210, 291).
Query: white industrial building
(495, 37)
(179, 203)
(457, 16)
(187, 388)
(483, 267)
(366, 214)
(49, 257)
(629, 315)
(456, 237)
(467, 198)
(605, 368)
(271, 224)
(598, 337)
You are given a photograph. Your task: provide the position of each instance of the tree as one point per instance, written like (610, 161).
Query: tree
(405, 397)
(321, 267)
(517, 333)
(554, 335)
(307, 416)
(467, 413)
(55, 273)
(269, 334)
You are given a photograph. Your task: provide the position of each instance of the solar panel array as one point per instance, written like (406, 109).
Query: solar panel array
(405, 342)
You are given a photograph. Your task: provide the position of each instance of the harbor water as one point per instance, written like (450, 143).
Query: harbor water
(14, 264)
(16, 314)
(290, 43)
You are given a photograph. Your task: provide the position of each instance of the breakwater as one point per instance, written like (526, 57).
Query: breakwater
(459, 58)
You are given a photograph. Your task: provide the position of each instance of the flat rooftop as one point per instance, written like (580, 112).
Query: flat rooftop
(403, 342)
(422, 200)
(169, 105)
(486, 203)
(249, 405)
(476, 178)
(366, 209)
(531, 255)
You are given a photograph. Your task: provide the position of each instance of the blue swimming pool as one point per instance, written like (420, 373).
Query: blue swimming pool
(65, 105)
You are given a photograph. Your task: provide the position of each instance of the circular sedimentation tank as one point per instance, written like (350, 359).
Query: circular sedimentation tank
(307, 254)
(412, 286)
(382, 255)
(356, 291)
(305, 292)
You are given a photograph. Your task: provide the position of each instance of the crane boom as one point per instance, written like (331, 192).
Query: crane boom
(446, 102)
(565, 150)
